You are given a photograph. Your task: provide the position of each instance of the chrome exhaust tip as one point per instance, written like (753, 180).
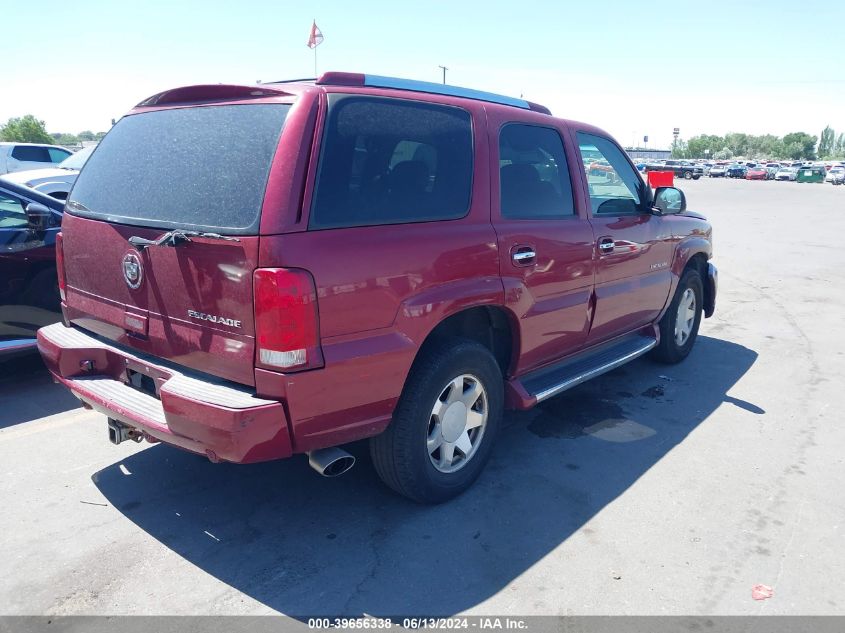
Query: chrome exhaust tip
(330, 462)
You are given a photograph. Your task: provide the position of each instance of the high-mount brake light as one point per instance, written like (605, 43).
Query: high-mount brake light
(286, 321)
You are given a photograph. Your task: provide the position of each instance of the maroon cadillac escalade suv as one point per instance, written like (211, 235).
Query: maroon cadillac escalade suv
(250, 272)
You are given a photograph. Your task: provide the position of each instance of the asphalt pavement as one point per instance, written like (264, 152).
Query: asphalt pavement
(651, 490)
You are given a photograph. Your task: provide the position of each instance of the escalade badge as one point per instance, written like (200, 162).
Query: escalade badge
(213, 318)
(133, 271)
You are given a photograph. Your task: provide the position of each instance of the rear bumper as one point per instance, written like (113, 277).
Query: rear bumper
(199, 413)
(710, 290)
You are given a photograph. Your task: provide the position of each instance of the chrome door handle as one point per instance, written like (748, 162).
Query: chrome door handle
(606, 245)
(522, 257)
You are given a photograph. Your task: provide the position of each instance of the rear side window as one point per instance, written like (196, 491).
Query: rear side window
(200, 168)
(533, 175)
(31, 153)
(390, 161)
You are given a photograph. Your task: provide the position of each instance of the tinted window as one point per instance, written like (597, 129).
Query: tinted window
(31, 153)
(12, 213)
(533, 176)
(57, 155)
(199, 168)
(615, 187)
(388, 161)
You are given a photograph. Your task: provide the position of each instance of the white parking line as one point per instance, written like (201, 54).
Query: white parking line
(42, 425)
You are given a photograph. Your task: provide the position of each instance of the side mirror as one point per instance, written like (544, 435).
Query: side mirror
(669, 200)
(40, 217)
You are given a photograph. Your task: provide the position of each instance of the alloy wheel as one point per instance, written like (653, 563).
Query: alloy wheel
(457, 423)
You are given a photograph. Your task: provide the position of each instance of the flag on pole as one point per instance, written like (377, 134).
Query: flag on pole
(316, 37)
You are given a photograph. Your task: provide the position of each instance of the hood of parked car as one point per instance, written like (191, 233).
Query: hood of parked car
(33, 177)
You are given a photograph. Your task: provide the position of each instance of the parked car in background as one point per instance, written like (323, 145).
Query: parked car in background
(54, 181)
(838, 178)
(681, 169)
(772, 168)
(216, 314)
(717, 171)
(833, 172)
(22, 156)
(786, 173)
(29, 295)
(757, 173)
(736, 170)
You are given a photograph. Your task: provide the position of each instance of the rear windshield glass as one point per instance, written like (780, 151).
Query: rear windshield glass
(202, 168)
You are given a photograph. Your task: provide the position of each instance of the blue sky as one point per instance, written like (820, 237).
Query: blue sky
(633, 68)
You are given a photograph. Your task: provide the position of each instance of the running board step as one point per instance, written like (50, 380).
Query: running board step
(550, 381)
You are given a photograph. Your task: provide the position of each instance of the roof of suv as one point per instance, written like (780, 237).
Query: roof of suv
(216, 92)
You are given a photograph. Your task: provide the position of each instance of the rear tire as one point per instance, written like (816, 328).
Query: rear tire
(679, 326)
(439, 393)
(688, 175)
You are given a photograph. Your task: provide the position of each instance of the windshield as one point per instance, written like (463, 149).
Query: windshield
(200, 168)
(77, 160)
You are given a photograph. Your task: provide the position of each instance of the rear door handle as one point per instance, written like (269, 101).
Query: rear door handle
(606, 245)
(523, 255)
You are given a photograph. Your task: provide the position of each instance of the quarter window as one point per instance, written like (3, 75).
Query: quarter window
(57, 155)
(615, 187)
(390, 161)
(533, 174)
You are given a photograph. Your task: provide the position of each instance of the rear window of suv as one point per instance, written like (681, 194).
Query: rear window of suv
(392, 161)
(200, 168)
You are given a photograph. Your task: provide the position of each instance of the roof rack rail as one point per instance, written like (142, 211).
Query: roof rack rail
(377, 81)
(290, 81)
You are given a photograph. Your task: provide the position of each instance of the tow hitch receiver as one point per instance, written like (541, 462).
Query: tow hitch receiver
(119, 432)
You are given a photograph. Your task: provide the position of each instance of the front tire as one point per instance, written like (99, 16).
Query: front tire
(445, 424)
(679, 326)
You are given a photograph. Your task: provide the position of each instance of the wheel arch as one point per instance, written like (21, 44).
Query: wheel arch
(490, 325)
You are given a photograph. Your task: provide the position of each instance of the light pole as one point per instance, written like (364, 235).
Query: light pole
(444, 73)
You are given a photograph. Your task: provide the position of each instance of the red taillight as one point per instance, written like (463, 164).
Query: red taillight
(60, 266)
(286, 327)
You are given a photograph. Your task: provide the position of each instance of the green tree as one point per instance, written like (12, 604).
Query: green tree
(63, 138)
(705, 145)
(86, 135)
(839, 149)
(827, 142)
(737, 143)
(25, 129)
(765, 146)
(800, 145)
(679, 149)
